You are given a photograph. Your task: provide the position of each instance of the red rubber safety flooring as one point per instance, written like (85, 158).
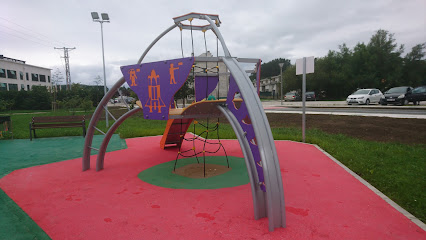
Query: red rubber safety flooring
(323, 201)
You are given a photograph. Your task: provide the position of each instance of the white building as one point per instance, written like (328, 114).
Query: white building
(16, 75)
(270, 86)
(221, 89)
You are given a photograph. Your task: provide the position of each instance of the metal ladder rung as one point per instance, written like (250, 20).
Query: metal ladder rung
(121, 95)
(94, 148)
(110, 114)
(99, 130)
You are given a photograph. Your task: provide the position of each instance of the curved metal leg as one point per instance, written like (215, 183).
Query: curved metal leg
(108, 135)
(263, 144)
(257, 194)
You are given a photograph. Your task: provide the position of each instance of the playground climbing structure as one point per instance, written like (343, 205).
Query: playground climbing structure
(156, 83)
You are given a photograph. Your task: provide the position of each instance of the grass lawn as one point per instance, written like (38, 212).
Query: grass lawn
(398, 170)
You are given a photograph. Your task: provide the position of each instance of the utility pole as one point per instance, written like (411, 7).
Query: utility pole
(67, 66)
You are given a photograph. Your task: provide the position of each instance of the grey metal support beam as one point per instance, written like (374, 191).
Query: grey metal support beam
(219, 36)
(96, 115)
(266, 145)
(110, 114)
(107, 138)
(219, 59)
(155, 41)
(99, 130)
(94, 120)
(257, 194)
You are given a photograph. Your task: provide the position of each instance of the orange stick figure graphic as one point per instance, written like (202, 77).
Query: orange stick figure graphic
(133, 76)
(172, 72)
(154, 93)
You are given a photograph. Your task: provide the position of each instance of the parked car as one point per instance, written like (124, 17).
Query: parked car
(310, 96)
(397, 95)
(365, 96)
(418, 94)
(129, 99)
(292, 96)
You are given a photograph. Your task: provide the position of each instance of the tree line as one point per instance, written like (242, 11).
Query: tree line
(40, 98)
(377, 64)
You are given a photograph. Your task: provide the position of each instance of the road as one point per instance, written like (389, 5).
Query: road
(340, 108)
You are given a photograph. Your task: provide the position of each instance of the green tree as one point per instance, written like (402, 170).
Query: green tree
(414, 68)
(272, 68)
(385, 60)
(187, 90)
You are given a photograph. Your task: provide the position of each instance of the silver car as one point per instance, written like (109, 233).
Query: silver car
(365, 96)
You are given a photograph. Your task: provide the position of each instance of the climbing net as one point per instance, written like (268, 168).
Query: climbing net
(205, 142)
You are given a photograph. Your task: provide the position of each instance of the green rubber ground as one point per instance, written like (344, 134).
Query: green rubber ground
(161, 175)
(23, 153)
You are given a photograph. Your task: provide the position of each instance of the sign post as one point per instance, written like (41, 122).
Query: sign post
(304, 66)
(281, 78)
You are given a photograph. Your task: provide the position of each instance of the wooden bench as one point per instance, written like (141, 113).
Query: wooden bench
(57, 122)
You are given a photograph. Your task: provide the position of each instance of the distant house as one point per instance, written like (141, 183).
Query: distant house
(16, 75)
(270, 87)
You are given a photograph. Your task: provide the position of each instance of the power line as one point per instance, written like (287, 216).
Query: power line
(25, 39)
(30, 30)
(28, 35)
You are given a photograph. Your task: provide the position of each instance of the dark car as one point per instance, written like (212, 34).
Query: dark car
(397, 95)
(418, 94)
(292, 96)
(310, 96)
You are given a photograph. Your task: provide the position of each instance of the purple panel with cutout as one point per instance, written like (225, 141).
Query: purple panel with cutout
(156, 83)
(203, 83)
(243, 118)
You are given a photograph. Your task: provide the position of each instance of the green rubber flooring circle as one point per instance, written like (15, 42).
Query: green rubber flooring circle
(162, 175)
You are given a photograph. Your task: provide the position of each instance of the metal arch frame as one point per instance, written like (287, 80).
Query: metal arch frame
(275, 205)
(266, 204)
(108, 135)
(257, 194)
(96, 115)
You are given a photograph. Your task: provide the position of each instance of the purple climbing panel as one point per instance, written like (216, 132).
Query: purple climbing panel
(156, 83)
(204, 86)
(243, 118)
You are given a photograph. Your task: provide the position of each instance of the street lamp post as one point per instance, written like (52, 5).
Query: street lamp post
(105, 18)
(281, 77)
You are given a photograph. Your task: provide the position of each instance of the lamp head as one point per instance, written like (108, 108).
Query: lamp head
(105, 16)
(95, 16)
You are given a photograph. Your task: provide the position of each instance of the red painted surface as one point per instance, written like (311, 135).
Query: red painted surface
(323, 201)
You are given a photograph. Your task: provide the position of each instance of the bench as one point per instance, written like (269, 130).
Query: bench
(57, 122)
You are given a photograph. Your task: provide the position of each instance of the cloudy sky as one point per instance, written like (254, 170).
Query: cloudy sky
(29, 30)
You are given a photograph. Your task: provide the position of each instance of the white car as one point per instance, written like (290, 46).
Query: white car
(365, 96)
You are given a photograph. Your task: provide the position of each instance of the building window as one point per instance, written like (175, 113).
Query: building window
(2, 73)
(42, 78)
(26, 76)
(34, 77)
(28, 87)
(48, 78)
(22, 87)
(3, 87)
(13, 87)
(21, 75)
(11, 74)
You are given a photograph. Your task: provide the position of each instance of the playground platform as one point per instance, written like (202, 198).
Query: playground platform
(323, 200)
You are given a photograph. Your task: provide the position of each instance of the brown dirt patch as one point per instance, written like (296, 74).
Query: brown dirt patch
(196, 170)
(381, 129)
